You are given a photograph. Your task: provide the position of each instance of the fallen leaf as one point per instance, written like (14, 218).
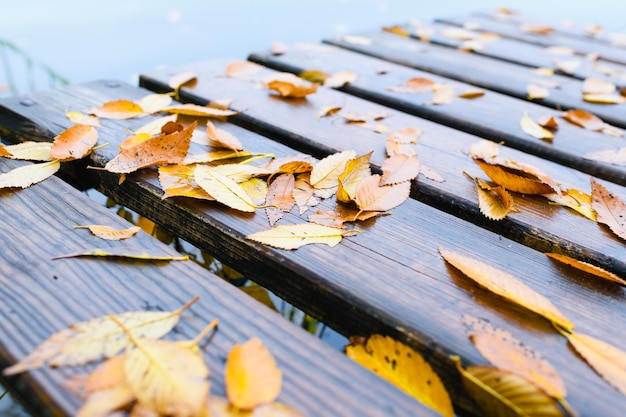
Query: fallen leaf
(339, 79)
(244, 70)
(314, 76)
(360, 117)
(214, 156)
(220, 407)
(241, 172)
(162, 149)
(328, 111)
(134, 140)
(4, 152)
(506, 286)
(197, 110)
(610, 156)
(178, 181)
(125, 252)
(80, 118)
(293, 236)
(355, 170)
(598, 86)
(472, 94)
(371, 196)
(27, 175)
(303, 193)
(587, 267)
(153, 103)
(507, 353)
(109, 233)
(256, 189)
(289, 85)
(97, 338)
(401, 142)
(548, 121)
(74, 143)
(182, 79)
(459, 33)
(430, 174)
(222, 138)
(397, 30)
(251, 375)
(154, 127)
(536, 29)
(280, 197)
(30, 151)
(107, 375)
(607, 360)
(403, 367)
(574, 199)
(610, 209)
(117, 109)
(534, 129)
(604, 98)
(325, 173)
(502, 393)
(494, 202)
(414, 85)
(567, 66)
(399, 168)
(535, 92)
(516, 179)
(612, 130)
(223, 189)
(103, 403)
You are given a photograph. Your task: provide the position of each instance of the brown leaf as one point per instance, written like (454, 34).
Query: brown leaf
(355, 170)
(399, 168)
(123, 252)
(507, 353)
(371, 196)
(514, 179)
(221, 138)
(288, 85)
(506, 286)
(535, 130)
(548, 121)
(587, 267)
(109, 233)
(493, 201)
(280, 195)
(162, 149)
(598, 86)
(472, 94)
(610, 209)
(414, 85)
(251, 375)
(584, 119)
(118, 109)
(74, 143)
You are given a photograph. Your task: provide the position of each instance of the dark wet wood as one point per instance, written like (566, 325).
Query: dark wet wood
(39, 296)
(581, 46)
(500, 76)
(494, 116)
(400, 286)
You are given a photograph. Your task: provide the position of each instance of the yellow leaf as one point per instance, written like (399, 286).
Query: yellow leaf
(288, 85)
(609, 208)
(107, 375)
(534, 129)
(178, 181)
(536, 92)
(98, 338)
(123, 252)
(314, 76)
(133, 141)
(507, 286)
(27, 175)
(222, 138)
(513, 179)
(212, 156)
(604, 98)
(82, 118)
(182, 79)
(153, 103)
(544, 71)
(494, 201)
(574, 199)
(74, 142)
(400, 168)
(154, 127)
(355, 170)
(509, 354)
(197, 110)
(30, 151)
(241, 172)
(118, 109)
(256, 189)
(339, 79)
(251, 375)
(607, 360)
(503, 394)
(472, 94)
(223, 189)
(326, 172)
(103, 403)
(397, 30)
(403, 367)
(220, 407)
(371, 196)
(303, 193)
(587, 267)
(109, 233)
(293, 236)
(4, 152)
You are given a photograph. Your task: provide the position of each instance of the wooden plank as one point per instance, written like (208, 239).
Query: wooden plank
(500, 76)
(581, 46)
(400, 285)
(494, 116)
(39, 296)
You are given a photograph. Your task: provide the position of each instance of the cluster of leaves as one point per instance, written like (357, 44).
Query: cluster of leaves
(155, 377)
(442, 93)
(546, 126)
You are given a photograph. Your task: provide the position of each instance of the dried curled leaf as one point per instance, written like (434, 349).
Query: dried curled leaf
(289, 85)
(507, 286)
(222, 138)
(109, 233)
(326, 172)
(293, 236)
(503, 394)
(403, 367)
(28, 175)
(127, 252)
(414, 85)
(251, 376)
(97, 338)
(74, 142)
(587, 267)
(609, 208)
(30, 151)
(494, 202)
(534, 129)
(511, 177)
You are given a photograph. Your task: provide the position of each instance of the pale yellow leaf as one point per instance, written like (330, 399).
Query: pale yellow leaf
(604, 98)
(223, 189)
(593, 85)
(567, 66)
(27, 175)
(610, 209)
(256, 189)
(213, 156)
(109, 233)
(403, 367)
(507, 286)
(534, 129)
(153, 103)
(240, 172)
(154, 127)
(339, 79)
(326, 172)
(102, 403)
(355, 170)
(123, 252)
(484, 149)
(30, 151)
(178, 180)
(97, 338)
(186, 78)
(587, 267)
(294, 236)
(82, 118)
(197, 110)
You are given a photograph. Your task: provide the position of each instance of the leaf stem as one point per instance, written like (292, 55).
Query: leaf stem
(204, 332)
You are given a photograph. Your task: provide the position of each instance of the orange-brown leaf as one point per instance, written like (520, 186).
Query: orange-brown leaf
(109, 233)
(118, 109)
(243, 69)
(610, 209)
(74, 142)
(280, 194)
(251, 376)
(513, 179)
(162, 149)
(4, 151)
(371, 196)
(107, 375)
(548, 121)
(493, 201)
(402, 142)
(221, 138)
(134, 140)
(83, 119)
(587, 267)
(399, 168)
(289, 85)
(584, 119)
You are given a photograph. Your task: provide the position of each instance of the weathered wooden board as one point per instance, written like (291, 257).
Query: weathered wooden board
(494, 116)
(400, 284)
(39, 296)
(500, 76)
(555, 38)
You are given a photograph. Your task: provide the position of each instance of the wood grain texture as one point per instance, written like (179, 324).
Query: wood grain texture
(493, 116)
(39, 296)
(388, 279)
(582, 47)
(503, 77)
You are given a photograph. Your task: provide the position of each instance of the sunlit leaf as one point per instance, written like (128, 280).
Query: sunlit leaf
(240, 172)
(293, 236)
(399, 168)
(472, 94)
(251, 375)
(303, 193)
(244, 70)
(289, 85)
(397, 30)
(328, 111)
(593, 85)
(494, 202)
(74, 142)
(30, 151)
(355, 170)
(403, 367)
(548, 121)
(401, 142)
(179, 180)
(567, 66)
(213, 156)
(82, 118)
(507, 286)
(314, 76)
(587, 267)
(280, 196)
(256, 189)
(134, 140)
(604, 98)
(127, 252)
(4, 152)
(182, 79)
(223, 189)
(583, 119)
(27, 175)
(371, 196)
(534, 129)
(108, 374)
(117, 109)
(153, 103)
(197, 110)
(97, 338)
(102, 403)
(109, 233)
(609, 208)
(154, 127)
(220, 407)
(574, 199)
(326, 172)
(222, 138)
(515, 179)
